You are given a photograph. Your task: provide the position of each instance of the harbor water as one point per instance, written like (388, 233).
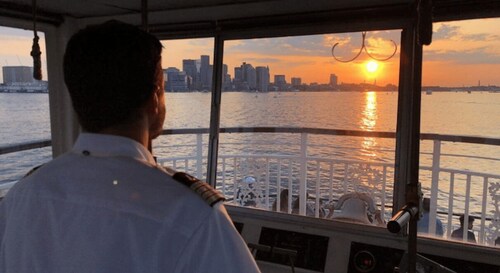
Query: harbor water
(25, 117)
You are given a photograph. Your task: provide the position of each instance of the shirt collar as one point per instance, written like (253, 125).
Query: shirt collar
(111, 145)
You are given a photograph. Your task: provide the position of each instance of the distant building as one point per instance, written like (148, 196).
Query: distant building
(17, 74)
(280, 82)
(189, 66)
(245, 77)
(210, 76)
(226, 78)
(175, 80)
(296, 81)
(206, 80)
(237, 75)
(262, 78)
(333, 80)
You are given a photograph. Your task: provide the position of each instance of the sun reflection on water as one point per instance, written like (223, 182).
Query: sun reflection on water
(368, 122)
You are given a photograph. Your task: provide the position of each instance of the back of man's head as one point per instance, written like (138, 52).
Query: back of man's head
(426, 204)
(110, 70)
(462, 217)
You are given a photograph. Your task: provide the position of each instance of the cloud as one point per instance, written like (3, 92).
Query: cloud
(480, 55)
(298, 45)
(458, 43)
(446, 32)
(263, 60)
(457, 33)
(481, 37)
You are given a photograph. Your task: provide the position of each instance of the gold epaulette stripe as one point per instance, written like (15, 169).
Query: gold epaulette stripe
(205, 191)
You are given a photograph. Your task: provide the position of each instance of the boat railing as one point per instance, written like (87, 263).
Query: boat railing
(322, 178)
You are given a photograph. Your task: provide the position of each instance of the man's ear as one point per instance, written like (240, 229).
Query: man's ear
(153, 103)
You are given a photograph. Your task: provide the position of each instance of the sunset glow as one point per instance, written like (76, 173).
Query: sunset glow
(368, 122)
(461, 54)
(371, 66)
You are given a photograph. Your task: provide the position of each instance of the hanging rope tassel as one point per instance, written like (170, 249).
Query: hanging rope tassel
(35, 49)
(37, 61)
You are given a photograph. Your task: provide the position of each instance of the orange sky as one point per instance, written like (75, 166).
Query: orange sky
(462, 53)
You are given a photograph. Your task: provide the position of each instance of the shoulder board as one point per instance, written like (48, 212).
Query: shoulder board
(209, 194)
(32, 170)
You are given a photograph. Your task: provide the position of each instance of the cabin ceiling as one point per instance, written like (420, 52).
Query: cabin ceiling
(100, 8)
(95, 8)
(182, 11)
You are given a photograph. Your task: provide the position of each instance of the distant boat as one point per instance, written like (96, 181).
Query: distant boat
(428, 92)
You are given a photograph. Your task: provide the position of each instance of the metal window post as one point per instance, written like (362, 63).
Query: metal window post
(213, 142)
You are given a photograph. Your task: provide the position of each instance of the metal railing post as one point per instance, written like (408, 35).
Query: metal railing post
(199, 155)
(303, 174)
(436, 163)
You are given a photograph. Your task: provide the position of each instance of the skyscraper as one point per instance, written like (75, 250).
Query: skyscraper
(204, 72)
(237, 75)
(245, 77)
(189, 66)
(249, 76)
(262, 78)
(226, 78)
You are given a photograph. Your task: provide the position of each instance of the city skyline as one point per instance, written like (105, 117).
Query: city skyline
(462, 54)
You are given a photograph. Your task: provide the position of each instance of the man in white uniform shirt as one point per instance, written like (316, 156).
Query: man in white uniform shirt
(106, 206)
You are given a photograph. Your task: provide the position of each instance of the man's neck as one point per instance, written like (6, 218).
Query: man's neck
(141, 136)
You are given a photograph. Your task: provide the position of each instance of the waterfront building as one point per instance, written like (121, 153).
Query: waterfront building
(17, 74)
(280, 82)
(226, 78)
(205, 72)
(245, 77)
(189, 67)
(175, 80)
(249, 75)
(262, 78)
(296, 81)
(333, 80)
(210, 75)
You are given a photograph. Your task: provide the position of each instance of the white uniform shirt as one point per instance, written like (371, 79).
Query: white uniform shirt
(106, 207)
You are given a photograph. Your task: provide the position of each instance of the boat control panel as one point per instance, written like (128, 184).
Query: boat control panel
(291, 243)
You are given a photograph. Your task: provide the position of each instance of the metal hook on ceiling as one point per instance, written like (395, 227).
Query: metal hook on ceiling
(363, 46)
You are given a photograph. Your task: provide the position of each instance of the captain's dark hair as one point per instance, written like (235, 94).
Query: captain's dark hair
(110, 70)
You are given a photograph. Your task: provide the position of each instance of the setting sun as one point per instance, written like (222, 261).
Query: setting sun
(371, 66)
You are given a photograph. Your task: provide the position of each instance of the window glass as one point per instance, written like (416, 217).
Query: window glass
(311, 124)
(187, 66)
(460, 156)
(24, 104)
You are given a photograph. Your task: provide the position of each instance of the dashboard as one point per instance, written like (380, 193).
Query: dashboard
(292, 243)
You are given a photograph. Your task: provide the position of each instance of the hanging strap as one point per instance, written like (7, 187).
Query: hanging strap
(35, 49)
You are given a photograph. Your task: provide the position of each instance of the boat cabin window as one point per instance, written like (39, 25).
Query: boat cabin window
(24, 107)
(460, 147)
(187, 69)
(307, 134)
